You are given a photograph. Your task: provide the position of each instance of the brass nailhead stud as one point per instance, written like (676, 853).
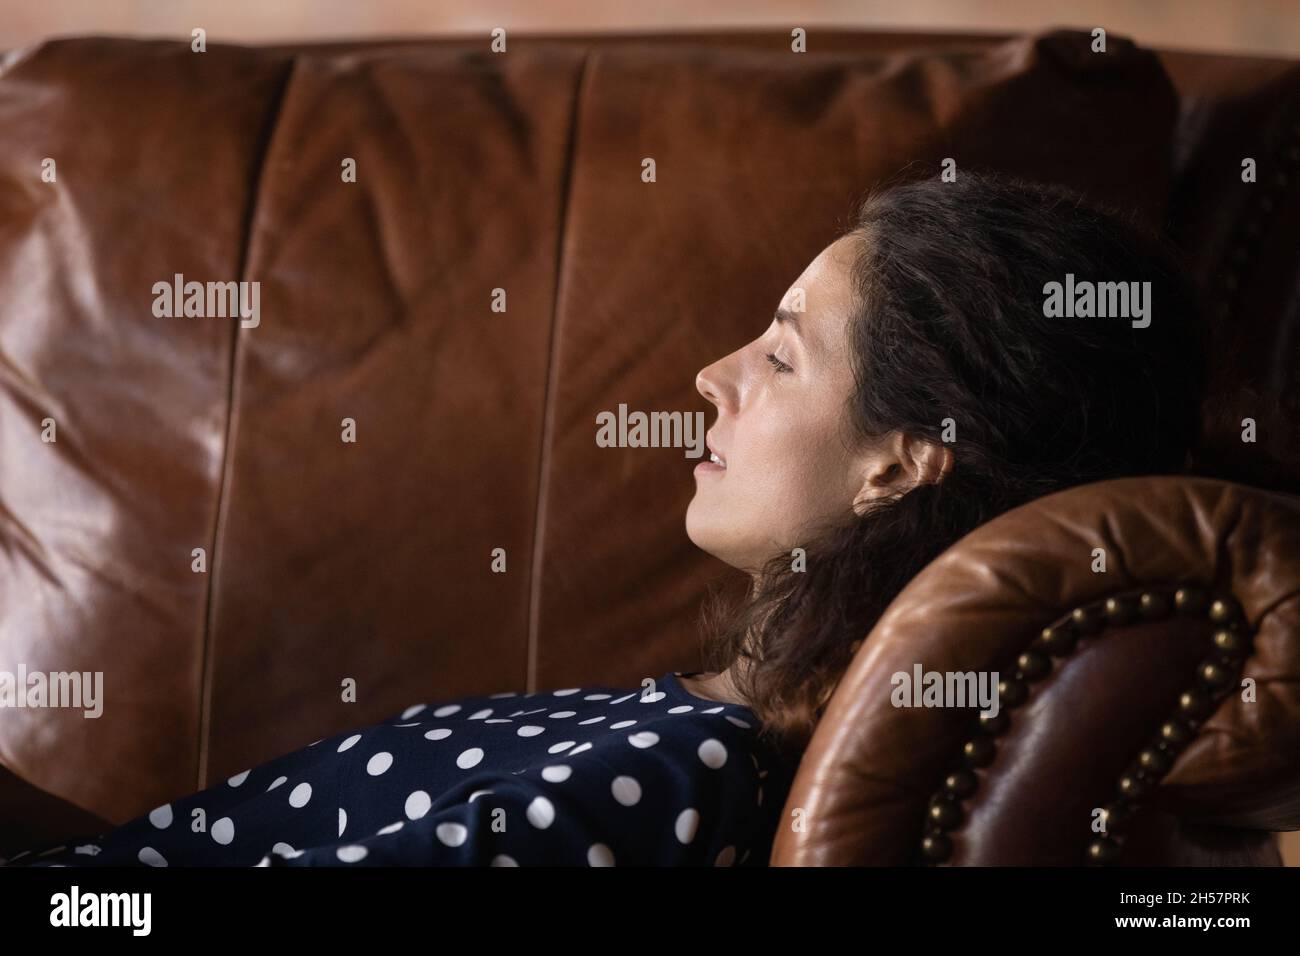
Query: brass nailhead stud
(979, 752)
(1229, 643)
(1153, 605)
(1033, 665)
(1131, 785)
(1214, 675)
(936, 847)
(1012, 692)
(1102, 850)
(1058, 641)
(1224, 611)
(1153, 761)
(1194, 703)
(1086, 619)
(1120, 610)
(994, 725)
(961, 783)
(1175, 733)
(945, 814)
(1117, 817)
(1190, 600)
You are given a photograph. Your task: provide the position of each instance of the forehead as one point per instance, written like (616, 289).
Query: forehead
(827, 290)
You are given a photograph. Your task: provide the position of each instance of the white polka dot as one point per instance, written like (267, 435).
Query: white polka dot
(530, 730)
(352, 854)
(416, 724)
(161, 817)
(567, 691)
(600, 855)
(150, 857)
(592, 720)
(623, 698)
(379, 763)
(562, 745)
(738, 722)
(681, 709)
(315, 742)
(580, 748)
(469, 758)
(540, 813)
(726, 857)
(349, 743)
(446, 711)
(300, 794)
(264, 861)
(499, 720)
(626, 790)
(502, 860)
(343, 820)
(440, 734)
(713, 753)
(278, 782)
(556, 774)
(653, 698)
(504, 693)
(412, 711)
(621, 724)
(561, 714)
(391, 828)
(283, 849)
(238, 778)
(713, 710)
(598, 697)
(481, 714)
(417, 805)
(452, 834)
(643, 739)
(223, 831)
(688, 823)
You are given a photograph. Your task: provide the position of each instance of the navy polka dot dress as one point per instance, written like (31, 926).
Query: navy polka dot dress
(574, 777)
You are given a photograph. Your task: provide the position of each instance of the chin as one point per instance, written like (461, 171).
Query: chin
(711, 537)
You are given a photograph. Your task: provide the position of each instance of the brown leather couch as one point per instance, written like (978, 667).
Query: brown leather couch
(371, 560)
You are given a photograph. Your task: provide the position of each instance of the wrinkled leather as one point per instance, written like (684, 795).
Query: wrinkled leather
(475, 429)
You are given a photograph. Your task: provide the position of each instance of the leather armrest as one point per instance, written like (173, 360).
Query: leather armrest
(866, 782)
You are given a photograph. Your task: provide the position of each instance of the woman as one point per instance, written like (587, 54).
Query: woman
(912, 385)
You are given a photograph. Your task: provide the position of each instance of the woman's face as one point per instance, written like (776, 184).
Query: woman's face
(791, 459)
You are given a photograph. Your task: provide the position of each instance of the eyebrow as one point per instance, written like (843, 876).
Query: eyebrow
(786, 317)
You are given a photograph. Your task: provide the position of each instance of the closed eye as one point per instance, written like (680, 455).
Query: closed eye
(778, 364)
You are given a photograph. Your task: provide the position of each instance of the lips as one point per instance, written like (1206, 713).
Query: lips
(714, 455)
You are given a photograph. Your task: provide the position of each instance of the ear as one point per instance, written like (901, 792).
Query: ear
(898, 464)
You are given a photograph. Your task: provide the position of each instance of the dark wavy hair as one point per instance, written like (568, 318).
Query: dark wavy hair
(949, 323)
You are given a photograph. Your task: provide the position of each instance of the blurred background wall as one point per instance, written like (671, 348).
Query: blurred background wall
(1243, 26)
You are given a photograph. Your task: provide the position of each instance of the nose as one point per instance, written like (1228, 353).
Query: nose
(710, 382)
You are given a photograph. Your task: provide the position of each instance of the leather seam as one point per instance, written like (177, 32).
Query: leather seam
(548, 391)
(219, 516)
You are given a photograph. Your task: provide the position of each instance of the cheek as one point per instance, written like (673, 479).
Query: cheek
(797, 469)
